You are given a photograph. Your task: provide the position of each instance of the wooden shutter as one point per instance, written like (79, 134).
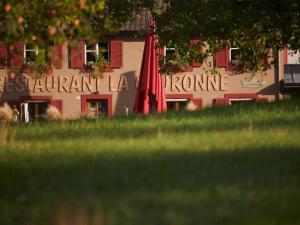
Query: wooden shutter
(3, 54)
(57, 56)
(58, 104)
(77, 54)
(16, 55)
(195, 63)
(116, 53)
(285, 56)
(222, 58)
(197, 102)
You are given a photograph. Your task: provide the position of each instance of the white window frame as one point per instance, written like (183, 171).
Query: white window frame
(177, 100)
(232, 48)
(36, 50)
(96, 51)
(185, 100)
(167, 49)
(240, 100)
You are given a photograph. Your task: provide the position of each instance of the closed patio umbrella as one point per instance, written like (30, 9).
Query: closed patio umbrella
(150, 95)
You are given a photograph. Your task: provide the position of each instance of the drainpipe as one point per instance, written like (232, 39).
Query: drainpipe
(277, 69)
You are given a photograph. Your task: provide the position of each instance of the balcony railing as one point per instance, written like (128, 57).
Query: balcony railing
(292, 76)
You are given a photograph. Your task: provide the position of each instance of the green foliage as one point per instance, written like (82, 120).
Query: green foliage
(55, 21)
(255, 26)
(39, 66)
(184, 55)
(96, 69)
(238, 165)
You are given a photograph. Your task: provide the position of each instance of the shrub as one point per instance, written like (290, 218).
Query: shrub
(191, 106)
(53, 114)
(6, 113)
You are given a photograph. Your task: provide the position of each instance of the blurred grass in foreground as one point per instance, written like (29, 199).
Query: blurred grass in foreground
(234, 165)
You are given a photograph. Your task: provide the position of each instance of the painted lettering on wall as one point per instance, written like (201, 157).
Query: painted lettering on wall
(77, 84)
(189, 83)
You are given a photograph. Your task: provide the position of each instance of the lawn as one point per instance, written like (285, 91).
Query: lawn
(236, 165)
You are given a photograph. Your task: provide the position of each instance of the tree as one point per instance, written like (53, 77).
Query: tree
(52, 21)
(254, 26)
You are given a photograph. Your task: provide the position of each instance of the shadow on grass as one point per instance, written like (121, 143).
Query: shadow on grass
(254, 186)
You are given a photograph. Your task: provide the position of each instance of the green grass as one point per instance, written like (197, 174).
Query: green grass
(236, 165)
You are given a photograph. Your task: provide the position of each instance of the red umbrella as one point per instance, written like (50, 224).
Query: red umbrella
(150, 95)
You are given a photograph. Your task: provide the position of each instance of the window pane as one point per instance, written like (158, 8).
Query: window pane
(182, 105)
(104, 49)
(90, 57)
(91, 47)
(171, 106)
(92, 110)
(242, 102)
(176, 105)
(170, 52)
(30, 47)
(105, 55)
(97, 108)
(103, 46)
(102, 111)
(235, 54)
(30, 56)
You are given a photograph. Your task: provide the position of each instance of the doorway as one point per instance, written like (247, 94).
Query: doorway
(33, 110)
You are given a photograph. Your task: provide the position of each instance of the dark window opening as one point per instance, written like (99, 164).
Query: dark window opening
(91, 57)
(176, 105)
(104, 50)
(241, 102)
(234, 54)
(170, 52)
(37, 109)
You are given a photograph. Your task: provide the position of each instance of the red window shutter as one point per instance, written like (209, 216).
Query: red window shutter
(116, 54)
(194, 63)
(77, 54)
(285, 56)
(222, 58)
(3, 54)
(16, 55)
(197, 102)
(57, 56)
(58, 104)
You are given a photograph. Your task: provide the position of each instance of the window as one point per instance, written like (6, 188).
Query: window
(32, 110)
(30, 53)
(176, 104)
(241, 101)
(234, 54)
(169, 51)
(97, 108)
(92, 52)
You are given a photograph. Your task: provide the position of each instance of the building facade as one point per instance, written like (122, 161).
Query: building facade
(75, 93)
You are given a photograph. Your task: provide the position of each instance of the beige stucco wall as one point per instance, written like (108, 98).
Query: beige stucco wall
(119, 78)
